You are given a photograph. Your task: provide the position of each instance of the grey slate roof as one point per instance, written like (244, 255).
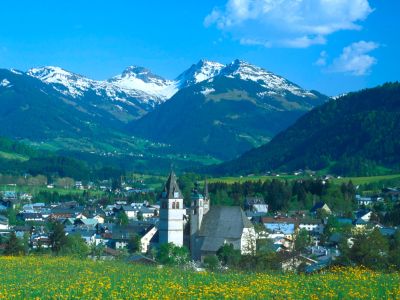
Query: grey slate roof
(224, 222)
(171, 189)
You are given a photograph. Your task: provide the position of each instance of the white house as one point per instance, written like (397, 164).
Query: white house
(3, 223)
(146, 238)
(312, 225)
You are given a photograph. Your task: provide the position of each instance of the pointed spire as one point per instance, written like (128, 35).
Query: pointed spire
(171, 189)
(206, 189)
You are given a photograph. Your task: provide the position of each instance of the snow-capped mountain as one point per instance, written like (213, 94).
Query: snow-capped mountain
(275, 84)
(136, 78)
(137, 91)
(199, 72)
(66, 82)
(134, 82)
(207, 70)
(225, 110)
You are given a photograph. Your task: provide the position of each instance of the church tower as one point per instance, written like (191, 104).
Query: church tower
(171, 213)
(200, 205)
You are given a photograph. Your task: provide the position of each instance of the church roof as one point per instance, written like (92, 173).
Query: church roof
(222, 223)
(171, 189)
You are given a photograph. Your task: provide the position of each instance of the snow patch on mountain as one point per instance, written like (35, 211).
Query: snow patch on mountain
(5, 83)
(207, 91)
(15, 71)
(338, 96)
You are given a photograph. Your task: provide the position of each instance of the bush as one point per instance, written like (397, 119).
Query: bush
(211, 262)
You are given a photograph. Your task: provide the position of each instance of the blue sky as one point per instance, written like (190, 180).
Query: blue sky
(331, 46)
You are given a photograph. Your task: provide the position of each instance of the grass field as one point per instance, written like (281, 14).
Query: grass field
(34, 190)
(355, 180)
(66, 278)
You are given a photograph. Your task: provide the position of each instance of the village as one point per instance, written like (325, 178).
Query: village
(306, 240)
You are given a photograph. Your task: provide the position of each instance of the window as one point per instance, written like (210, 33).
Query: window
(177, 205)
(173, 205)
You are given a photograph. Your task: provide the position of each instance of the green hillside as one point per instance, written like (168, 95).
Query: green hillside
(357, 134)
(223, 117)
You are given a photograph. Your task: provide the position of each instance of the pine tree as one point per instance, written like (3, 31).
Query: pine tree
(13, 246)
(58, 239)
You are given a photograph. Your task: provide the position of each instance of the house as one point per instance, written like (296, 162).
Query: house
(145, 240)
(3, 223)
(10, 199)
(130, 211)
(388, 231)
(256, 204)
(321, 206)
(61, 213)
(121, 235)
(89, 236)
(40, 241)
(141, 259)
(148, 212)
(89, 224)
(293, 262)
(281, 225)
(99, 218)
(344, 221)
(312, 225)
(364, 214)
(30, 217)
(391, 193)
(367, 201)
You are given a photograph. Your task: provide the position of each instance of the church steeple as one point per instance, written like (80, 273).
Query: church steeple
(206, 189)
(206, 197)
(171, 213)
(171, 189)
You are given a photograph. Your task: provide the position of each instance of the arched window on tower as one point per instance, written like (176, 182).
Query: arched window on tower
(177, 205)
(173, 205)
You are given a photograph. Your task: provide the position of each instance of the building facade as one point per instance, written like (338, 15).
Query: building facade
(171, 213)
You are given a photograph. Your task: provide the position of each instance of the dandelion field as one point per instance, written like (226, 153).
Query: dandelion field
(66, 278)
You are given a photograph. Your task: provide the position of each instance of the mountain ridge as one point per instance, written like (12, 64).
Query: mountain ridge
(239, 105)
(355, 134)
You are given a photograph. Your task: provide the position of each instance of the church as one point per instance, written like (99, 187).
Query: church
(210, 226)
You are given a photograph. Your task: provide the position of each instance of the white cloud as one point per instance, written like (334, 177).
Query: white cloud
(355, 59)
(288, 23)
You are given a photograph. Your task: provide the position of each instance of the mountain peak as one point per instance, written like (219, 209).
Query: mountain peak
(202, 70)
(71, 83)
(49, 71)
(139, 78)
(139, 72)
(270, 81)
